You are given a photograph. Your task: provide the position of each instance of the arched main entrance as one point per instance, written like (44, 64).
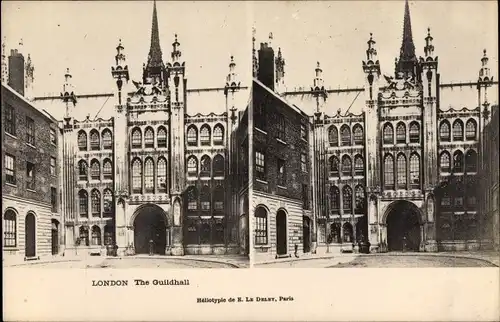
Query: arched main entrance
(281, 242)
(55, 237)
(30, 235)
(306, 235)
(403, 226)
(150, 225)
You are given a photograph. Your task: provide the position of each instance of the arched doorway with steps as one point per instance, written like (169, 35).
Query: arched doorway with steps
(150, 225)
(404, 226)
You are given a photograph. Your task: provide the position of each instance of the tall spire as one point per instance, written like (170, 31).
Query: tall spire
(407, 58)
(155, 54)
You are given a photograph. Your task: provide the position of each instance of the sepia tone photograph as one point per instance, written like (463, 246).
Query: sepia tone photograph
(375, 134)
(123, 133)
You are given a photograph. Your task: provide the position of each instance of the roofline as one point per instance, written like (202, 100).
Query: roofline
(292, 106)
(19, 96)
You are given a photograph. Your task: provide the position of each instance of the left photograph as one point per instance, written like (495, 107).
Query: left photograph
(124, 134)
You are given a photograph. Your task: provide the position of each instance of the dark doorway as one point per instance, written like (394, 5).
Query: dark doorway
(403, 227)
(306, 235)
(281, 244)
(30, 235)
(55, 237)
(150, 225)
(362, 229)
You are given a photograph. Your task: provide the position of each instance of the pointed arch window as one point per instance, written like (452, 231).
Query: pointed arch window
(415, 171)
(107, 139)
(333, 136)
(162, 175)
(444, 162)
(347, 198)
(219, 198)
(192, 198)
(107, 169)
(444, 131)
(359, 199)
(84, 235)
(471, 161)
(95, 170)
(358, 134)
(218, 166)
(96, 202)
(83, 202)
(94, 140)
(414, 132)
(471, 130)
(334, 198)
(401, 133)
(346, 166)
(136, 176)
(334, 166)
(389, 171)
(358, 165)
(83, 170)
(9, 229)
(136, 138)
(149, 182)
(388, 133)
(458, 130)
(458, 162)
(205, 198)
(205, 135)
(162, 137)
(261, 226)
(82, 141)
(218, 134)
(345, 134)
(205, 166)
(107, 201)
(401, 168)
(96, 235)
(192, 136)
(149, 137)
(192, 166)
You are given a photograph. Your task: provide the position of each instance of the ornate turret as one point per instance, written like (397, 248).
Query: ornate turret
(484, 72)
(120, 70)
(29, 78)
(371, 67)
(406, 65)
(318, 89)
(484, 81)
(153, 72)
(429, 47)
(255, 64)
(68, 94)
(176, 53)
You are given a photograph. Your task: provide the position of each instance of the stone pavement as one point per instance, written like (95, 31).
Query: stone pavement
(305, 259)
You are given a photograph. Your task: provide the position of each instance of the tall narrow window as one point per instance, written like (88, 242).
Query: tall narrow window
(458, 130)
(192, 166)
(107, 169)
(162, 137)
(303, 162)
(10, 169)
(401, 171)
(218, 165)
(96, 235)
(192, 197)
(107, 139)
(358, 134)
(401, 133)
(334, 198)
(205, 198)
(136, 138)
(346, 166)
(303, 132)
(444, 162)
(149, 137)
(53, 199)
(471, 161)
(260, 118)
(205, 135)
(84, 235)
(205, 166)
(458, 162)
(334, 166)
(52, 166)
(305, 196)
(30, 131)
(347, 198)
(107, 201)
(388, 134)
(389, 172)
(333, 136)
(260, 226)
(162, 175)
(281, 175)
(82, 140)
(53, 136)
(149, 176)
(30, 175)
(260, 165)
(345, 135)
(94, 140)
(219, 198)
(470, 130)
(82, 170)
(192, 136)
(136, 176)
(10, 120)
(83, 202)
(414, 132)
(218, 134)
(95, 170)
(9, 229)
(415, 171)
(444, 131)
(359, 199)
(96, 202)
(280, 127)
(358, 165)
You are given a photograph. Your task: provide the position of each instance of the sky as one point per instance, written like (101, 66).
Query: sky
(83, 36)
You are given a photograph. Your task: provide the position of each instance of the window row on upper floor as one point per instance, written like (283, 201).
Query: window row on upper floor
(96, 240)
(95, 170)
(98, 141)
(205, 198)
(346, 138)
(98, 205)
(413, 135)
(205, 135)
(461, 164)
(346, 203)
(148, 141)
(147, 178)
(344, 167)
(397, 171)
(448, 133)
(206, 168)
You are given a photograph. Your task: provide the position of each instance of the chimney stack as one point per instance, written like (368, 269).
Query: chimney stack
(16, 71)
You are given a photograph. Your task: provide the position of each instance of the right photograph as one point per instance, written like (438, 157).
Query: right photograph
(366, 149)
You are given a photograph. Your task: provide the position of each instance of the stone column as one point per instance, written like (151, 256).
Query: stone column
(177, 248)
(430, 223)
